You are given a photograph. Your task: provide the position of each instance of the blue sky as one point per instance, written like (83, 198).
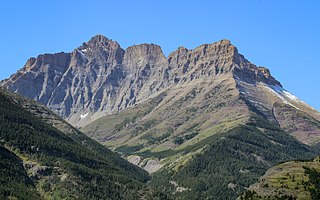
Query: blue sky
(282, 35)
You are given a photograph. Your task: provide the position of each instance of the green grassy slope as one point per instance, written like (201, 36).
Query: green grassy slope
(231, 162)
(58, 165)
(160, 130)
(202, 140)
(290, 180)
(206, 140)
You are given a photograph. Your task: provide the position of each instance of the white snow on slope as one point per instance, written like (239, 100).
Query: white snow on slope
(286, 94)
(82, 54)
(282, 94)
(84, 116)
(277, 90)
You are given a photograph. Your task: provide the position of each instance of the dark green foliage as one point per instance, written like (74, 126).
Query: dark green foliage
(248, 195)
(13, 178)
(181, 139)
(252, 195)
(178, 140)
(317, 147)
(191, 132)
(155, 140)
(191, 135)
(97, 172)
(314, 182)
(160, 154)
(227, 156)
(128, 149)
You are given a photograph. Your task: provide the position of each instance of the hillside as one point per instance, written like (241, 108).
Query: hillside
(38, 161)
(204, 122)
(15, 183)
(294, 179)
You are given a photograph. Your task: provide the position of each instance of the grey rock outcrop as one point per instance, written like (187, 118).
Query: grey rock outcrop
(100, 77)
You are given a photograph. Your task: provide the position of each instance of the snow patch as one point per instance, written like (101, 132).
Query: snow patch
(277, 90)
(82, 54)
(283, 94)
(84, 116)
(290, 96)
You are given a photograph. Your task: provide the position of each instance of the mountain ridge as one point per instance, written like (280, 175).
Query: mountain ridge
(100, 78)
(105, 58)
(169, 114)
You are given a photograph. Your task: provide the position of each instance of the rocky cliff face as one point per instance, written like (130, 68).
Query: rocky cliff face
(95, 79)
(100, 78)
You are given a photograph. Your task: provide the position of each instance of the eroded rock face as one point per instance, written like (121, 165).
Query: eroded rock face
(40, 76)
(73, 84)
(144, 66)
(100, 77)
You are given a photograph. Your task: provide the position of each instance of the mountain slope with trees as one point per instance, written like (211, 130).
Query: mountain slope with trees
(40, 161)
(181, 118)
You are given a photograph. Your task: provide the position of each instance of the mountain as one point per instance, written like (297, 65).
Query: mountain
(100, 78)
(206, 122)
(43, 157)
(95, 79)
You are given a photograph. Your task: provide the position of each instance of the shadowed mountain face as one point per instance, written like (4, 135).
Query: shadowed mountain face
(170, 115)
(43, 157)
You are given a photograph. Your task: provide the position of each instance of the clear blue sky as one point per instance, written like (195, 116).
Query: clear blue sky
(283, 35)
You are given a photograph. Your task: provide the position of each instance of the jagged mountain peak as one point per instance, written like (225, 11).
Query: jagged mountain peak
(224, 41)
(100, 40)
(100, 77)
(101, 46)
(104, 51)
(222, 45)
(46, 59)
(206, 60)
(30, 62)
(182, 48)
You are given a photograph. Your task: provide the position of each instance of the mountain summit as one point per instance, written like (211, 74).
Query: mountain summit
(100, 78)
(199, 113)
